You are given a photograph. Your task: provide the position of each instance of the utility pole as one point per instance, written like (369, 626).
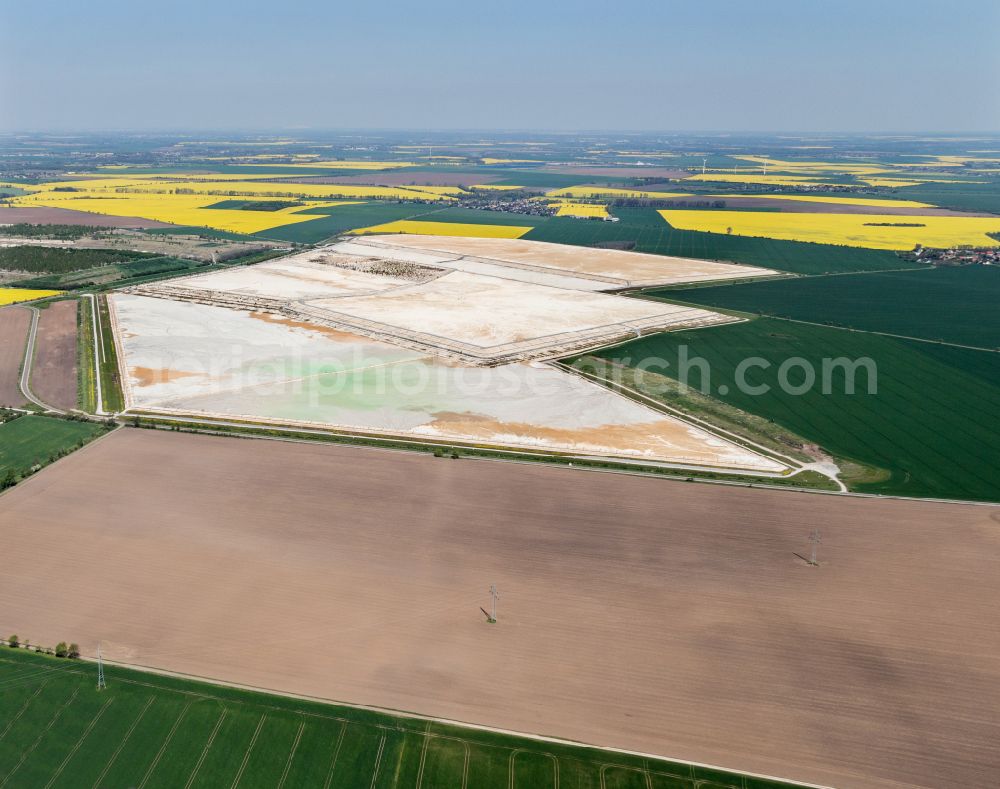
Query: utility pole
(815, 538)
(101, 684)
(495, 595)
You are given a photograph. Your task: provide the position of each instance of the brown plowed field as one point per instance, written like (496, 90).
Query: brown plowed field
(14, 323)
(54, 369)
(668, 617)
(40, 215)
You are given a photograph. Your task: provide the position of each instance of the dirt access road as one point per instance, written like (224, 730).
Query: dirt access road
(668, 617)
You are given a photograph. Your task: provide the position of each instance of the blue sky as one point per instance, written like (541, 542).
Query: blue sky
(880, 65)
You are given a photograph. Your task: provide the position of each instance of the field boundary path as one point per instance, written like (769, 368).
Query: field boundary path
(29, 355)
(98, 355)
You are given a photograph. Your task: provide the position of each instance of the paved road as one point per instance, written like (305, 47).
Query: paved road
(29, 355)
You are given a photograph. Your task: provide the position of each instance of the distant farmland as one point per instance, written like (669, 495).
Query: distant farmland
(340, 219)
(648, 231)
(931, 425)
(955, 305)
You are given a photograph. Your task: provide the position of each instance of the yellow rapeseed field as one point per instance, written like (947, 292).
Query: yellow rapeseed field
(172, 177)
(875, 231)
(581, 209)
(17, 295)
(185, 200)
(495, 187)
(233, 187)
(875, 202)
(344, 165)
(445, 229)
(488, 160)
(183, 210)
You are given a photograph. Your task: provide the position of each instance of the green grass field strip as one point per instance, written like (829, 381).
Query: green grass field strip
(86, 362)
(128, 766)
(27, 740)
(36, 439)
(648, 231)
(148, 730)
(130, 714)
(111, 385)
(250, 746)
(166, 744)
(222, 763)
(537, 770)
(951, 305)
(49, 750)
(207, 747)
(291, 755)
(315, 757)
(929, 425)
(76, 747)
(442, 759)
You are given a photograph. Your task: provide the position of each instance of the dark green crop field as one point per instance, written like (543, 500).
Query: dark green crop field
(962, 197)
(542, 179)
(476, 216)
(931, 426)
(257, 205)
(955, 305)
(32, 440)
(341, 218)
(144, 730)
(650, 233)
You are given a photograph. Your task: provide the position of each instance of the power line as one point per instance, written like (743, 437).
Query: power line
(815, 538)
(101, 684)
(494, 595)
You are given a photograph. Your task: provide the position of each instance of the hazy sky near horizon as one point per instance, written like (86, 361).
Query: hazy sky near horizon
(805, 65)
